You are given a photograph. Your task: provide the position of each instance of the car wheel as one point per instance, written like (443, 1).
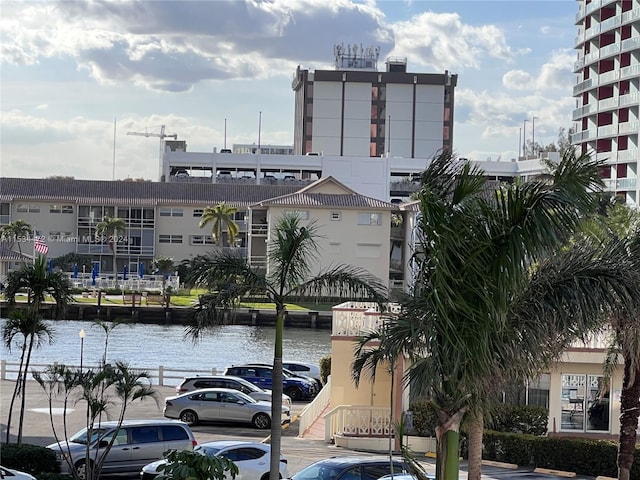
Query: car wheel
(294, 393)
(189, 417)
(81, 469)
(261, 420)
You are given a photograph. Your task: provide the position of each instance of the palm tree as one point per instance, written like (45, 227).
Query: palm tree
(616, 222)
(290, 255)
(14, 232)
(164, 265)
(110, 228)
(32, 332)
(492, 298)
(39, 282)
(220, 216)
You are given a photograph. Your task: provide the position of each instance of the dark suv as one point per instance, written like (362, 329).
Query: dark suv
(296, 387)
(350, 468)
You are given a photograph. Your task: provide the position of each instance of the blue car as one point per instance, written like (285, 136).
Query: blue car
(295, 386)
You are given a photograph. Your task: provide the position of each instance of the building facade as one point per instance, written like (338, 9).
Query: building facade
(355, 110)
(607, 92)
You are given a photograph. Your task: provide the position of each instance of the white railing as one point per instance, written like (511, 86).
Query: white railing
(313, 410)
(160, 375)
(357, 421)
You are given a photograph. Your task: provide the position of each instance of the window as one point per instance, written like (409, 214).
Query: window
(144, 435)
(301, 214)
(369, 218)
(28, 208)
(60, 208)
(171, 212)
(335, 216)
(170, 239)
(201, 240)
(197, 212)
(173, 432)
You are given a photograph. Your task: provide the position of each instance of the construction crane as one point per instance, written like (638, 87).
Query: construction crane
(162, 135)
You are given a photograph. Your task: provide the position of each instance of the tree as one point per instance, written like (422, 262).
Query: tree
(187, 465)
(108, 385)
(493, 297)
(39, 282)
(290, 254)
(109, 229)
(220, 216)
(16, 232)
(164, 265)
(618, 221)
(33, 332)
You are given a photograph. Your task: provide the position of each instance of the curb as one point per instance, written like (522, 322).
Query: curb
(558, 473)
(492, 463)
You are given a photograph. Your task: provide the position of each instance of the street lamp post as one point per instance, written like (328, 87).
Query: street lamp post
(524, 138)
(533, 134)
(82, 334)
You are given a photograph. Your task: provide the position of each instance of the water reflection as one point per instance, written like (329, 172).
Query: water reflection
(147, 346)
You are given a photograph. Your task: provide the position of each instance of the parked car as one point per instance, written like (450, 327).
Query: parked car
(350, 468)
(221, 405)
(406, 476)
(306, 369)
(191, 384)
(251, 458)
(296, 387)
(9, 474)
(137, 443)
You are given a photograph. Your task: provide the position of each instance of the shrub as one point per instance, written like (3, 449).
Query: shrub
(583, 456)
(424, 418)
(29, 458)
(527, 419)
(325, 368)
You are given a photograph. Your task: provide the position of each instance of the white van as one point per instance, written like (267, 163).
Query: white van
(137, 443)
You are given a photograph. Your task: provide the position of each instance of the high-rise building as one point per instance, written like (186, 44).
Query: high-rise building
(607, 117)
(355, 110)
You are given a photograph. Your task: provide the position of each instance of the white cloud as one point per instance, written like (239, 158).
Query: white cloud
(554, 74)
(442, 41)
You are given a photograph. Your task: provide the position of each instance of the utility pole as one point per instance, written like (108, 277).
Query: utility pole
(533, 134)
(524, 138)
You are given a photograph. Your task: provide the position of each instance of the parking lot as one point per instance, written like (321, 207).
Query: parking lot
(299, 452)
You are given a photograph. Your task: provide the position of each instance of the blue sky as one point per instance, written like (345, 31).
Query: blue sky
(68, 69)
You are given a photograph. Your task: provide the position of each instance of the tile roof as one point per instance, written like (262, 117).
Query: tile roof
(104, 192)
(7, 254)
(328, 200)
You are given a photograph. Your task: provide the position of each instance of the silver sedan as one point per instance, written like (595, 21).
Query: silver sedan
(221, 405)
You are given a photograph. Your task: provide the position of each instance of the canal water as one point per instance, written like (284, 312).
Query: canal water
(149, 345)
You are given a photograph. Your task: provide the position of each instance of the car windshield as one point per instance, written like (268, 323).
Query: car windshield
(81, 436)
(317, 472)
(206, 450)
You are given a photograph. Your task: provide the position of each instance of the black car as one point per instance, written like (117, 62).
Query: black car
(350, 468)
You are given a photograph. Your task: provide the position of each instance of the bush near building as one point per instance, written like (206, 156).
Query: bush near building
(29, 458)
(529, 419)
(582, 456)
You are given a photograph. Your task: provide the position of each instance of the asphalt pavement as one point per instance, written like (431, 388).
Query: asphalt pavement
(300, 452)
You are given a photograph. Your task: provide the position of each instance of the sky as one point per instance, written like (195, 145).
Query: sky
(76, 77)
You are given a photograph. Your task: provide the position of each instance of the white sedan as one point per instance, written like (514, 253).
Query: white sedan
(9, 474)
(251, 458)
(221, 405)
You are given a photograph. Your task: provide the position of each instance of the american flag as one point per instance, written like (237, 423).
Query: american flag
(40, 246)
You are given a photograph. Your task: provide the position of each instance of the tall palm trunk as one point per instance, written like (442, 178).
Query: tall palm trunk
(23, 399)
(17, 389)
(448, 438)
(629, 411)
(276, 396)
(475, 446)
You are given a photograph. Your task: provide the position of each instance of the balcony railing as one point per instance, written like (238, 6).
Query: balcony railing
(357, 421)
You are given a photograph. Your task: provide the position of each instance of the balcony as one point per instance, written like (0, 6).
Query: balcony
(582, 86)
(628, 127)
(626, 184)
(599, 341)
(592, 7)
(608, 104)
(631, 155)
(629, 99)
(592, 32)
(629, 72)
(608, 77)
(259, 229)
(610, 23)
(630, 16)
(578, 64)
(630, 44)
(607, 131)
(610, 50)
(351, 319)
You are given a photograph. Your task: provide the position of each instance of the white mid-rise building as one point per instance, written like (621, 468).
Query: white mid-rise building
(607, 92)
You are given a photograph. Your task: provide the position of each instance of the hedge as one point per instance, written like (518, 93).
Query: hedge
(29, 458)
(583, 456)
(529, 419)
